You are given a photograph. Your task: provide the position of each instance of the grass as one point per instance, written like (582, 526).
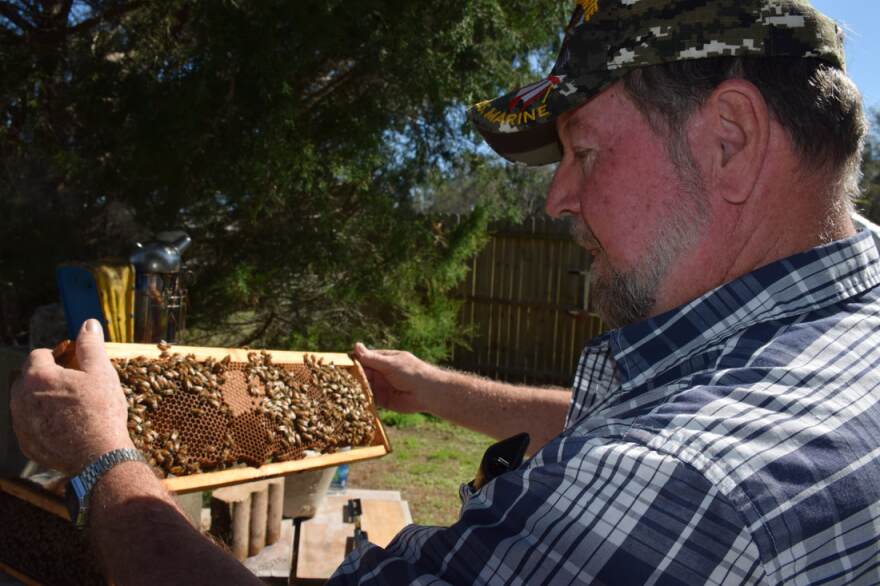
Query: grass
(430, 459)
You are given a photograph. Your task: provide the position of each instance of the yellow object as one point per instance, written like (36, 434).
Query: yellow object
(116, 295)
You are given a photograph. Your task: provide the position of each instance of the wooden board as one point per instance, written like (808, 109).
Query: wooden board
(35, 495)
(210, 480)
(322, 539)
(13, 573)
(115, 350)
(383, 520)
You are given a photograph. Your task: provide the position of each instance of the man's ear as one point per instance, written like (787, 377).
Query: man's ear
(734, 137)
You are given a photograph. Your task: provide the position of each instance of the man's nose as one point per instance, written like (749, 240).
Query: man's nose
(562, 197)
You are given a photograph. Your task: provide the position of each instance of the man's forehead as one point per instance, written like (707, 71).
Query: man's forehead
(581, 118)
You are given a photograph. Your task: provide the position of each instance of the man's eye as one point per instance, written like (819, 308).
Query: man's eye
(585, 158)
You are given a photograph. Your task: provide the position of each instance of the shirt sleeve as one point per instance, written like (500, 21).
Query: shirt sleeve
(583, 510)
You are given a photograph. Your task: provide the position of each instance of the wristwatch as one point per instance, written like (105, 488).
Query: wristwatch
(80, 486)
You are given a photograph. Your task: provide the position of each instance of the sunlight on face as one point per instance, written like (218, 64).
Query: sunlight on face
(625, 296)
(635, 199)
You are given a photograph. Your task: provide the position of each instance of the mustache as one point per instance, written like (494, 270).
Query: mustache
(582, 234)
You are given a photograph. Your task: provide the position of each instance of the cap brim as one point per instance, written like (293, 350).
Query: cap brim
(521, 126)
(522, 134)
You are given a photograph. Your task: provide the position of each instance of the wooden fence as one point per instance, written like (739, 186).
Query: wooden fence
(525, 305)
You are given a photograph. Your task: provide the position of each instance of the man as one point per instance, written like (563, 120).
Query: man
(726, 431)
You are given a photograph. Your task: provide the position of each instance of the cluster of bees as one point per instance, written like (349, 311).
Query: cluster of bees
(179, 420)
(343, 409)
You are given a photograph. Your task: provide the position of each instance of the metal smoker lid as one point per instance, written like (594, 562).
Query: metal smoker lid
(159, 257)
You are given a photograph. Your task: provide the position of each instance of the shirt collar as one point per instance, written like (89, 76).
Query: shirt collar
(795, 285)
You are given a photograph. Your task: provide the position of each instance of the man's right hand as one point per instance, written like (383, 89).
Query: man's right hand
(66, 418)
(399, 380)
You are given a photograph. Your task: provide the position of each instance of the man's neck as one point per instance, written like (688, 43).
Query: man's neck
(743, 240)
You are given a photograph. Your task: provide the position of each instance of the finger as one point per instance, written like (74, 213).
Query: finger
(389, 352)
(38, 361)
(360, 350)
(38, 370)
(90, 350)
(377, 359)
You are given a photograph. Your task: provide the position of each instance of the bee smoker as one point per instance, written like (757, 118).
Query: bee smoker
(160, 293)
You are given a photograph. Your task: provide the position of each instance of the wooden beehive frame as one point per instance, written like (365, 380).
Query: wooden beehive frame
(209, 480)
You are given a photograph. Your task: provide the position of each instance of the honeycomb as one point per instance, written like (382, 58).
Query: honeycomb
(43, 546)
(189, 416)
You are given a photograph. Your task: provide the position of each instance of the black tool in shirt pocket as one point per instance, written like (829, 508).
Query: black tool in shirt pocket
(499, 458)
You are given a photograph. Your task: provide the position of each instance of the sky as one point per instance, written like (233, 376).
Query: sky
(860, 19)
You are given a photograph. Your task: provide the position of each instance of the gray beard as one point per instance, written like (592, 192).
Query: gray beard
(623, 297)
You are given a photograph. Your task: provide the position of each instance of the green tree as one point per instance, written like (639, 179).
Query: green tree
(512, 192)
(870, 199)
(289, 139)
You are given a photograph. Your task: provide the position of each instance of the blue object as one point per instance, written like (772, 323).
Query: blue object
(340, 478)
(79, 295)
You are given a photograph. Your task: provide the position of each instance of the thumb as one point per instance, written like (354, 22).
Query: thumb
(362, 353)
(370, 358)
(90, 351)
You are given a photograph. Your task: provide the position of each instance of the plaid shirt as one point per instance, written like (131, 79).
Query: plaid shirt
(734, 440)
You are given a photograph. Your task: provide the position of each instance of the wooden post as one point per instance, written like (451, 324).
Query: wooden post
(276, 508)
(259, 511)
(241, 528)
(231, 516)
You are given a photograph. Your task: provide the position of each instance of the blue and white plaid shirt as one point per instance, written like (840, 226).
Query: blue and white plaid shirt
(734, 440)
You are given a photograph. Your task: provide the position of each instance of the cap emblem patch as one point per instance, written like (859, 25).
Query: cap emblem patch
(528, 95)
(591, 7)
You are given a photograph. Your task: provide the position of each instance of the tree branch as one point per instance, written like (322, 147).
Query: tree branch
(57, 34)
(13, 16)
(313, 98)
(107, 15)
(258, 333)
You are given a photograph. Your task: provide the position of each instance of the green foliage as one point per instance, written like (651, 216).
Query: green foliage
(403, 420)
(870, 200)
(511, 192)
(292, 140)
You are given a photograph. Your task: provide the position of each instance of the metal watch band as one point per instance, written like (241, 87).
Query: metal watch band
(102, 465)
(80, 486)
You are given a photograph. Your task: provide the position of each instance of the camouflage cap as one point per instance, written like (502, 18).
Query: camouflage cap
(607, 38)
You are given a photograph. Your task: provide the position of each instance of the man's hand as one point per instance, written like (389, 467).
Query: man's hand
(402, 382)
(399, 380)
(66, 418)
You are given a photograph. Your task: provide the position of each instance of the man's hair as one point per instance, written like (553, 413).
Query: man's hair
(817, 104)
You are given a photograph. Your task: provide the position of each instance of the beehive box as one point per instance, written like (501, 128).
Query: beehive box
(38, 543)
